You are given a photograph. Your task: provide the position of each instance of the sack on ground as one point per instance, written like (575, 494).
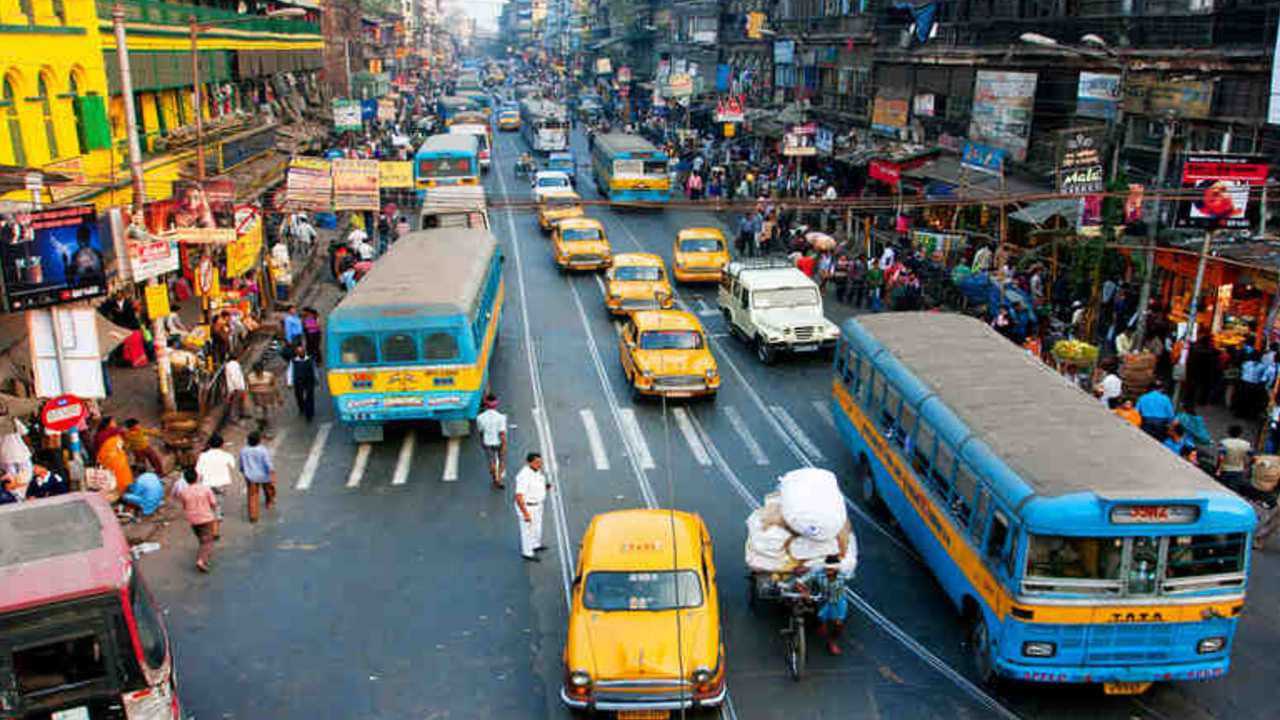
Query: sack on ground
(812, 504)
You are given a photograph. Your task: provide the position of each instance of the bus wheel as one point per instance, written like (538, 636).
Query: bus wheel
(867, 485)
(980, 646)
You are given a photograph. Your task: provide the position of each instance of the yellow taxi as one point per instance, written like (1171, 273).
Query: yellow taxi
(664, 352)
(579, 243)
(637, 281)
(644, 627)
(699, 254)
(509, 120)
(557, 205)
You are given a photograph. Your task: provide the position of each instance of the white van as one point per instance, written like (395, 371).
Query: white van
(482, 134)
(774, 306)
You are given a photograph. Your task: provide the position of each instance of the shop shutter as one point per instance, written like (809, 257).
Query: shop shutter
(936, 80)
(92, 126)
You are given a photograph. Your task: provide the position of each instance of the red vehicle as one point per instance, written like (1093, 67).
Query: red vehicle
(80, 636)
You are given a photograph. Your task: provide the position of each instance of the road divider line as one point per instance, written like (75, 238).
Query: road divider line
(452, 450)
(405, 459)
(705, 310)
(802, 438)
(635, 438)
(362, 462)
(604, 293)
(823, 408)
(598, 454)
(617, 327)
(691, 436)
(740, 426)
(313, 457)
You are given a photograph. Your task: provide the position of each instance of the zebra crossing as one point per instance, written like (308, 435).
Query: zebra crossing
(687, 441)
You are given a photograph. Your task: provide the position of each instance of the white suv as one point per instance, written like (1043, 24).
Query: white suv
(775, 306)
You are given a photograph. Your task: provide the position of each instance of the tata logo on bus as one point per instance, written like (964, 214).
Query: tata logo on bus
(1136, 617)
(1154, 514)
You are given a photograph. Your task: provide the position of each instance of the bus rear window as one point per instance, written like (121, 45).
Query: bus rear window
(358, 350)
(59, 665)
(399, 347)
(445, 167)
(655, 167)
(440, 345)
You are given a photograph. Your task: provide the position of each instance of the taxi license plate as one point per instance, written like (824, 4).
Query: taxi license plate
(1125, 688)
(644, 714)
(807, 347)
(679, 394)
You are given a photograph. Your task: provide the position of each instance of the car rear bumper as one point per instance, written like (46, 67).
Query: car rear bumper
(697, 274)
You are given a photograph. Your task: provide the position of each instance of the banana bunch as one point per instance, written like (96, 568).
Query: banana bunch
(1078, 352)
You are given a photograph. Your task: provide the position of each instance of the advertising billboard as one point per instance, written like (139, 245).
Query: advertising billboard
(1219, 186)
(1080, 158)
(889, 115)
(51, 257)
(1098, 95)
(1002, 110)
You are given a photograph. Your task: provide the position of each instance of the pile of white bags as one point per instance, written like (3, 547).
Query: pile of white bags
(800, 524)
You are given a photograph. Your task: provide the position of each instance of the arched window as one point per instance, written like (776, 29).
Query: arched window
(46, 112)
(15, 126)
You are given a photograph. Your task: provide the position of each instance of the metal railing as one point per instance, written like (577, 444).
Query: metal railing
(175, 14)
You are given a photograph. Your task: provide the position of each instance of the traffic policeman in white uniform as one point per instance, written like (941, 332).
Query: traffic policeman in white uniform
(531, 494)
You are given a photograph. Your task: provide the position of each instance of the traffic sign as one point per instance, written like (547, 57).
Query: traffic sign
(62, 413)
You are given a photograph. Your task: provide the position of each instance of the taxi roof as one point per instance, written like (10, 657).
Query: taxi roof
(560, 193)
(581, 222)
(645, 259)
(665, 320)
(700, 232)
(59, 548)
(643, 539)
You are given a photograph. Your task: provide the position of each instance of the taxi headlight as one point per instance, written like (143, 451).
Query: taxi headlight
(701, 676)
(579, 679)
(647, 372)
(1039, 649)
(1211, 644)
(711, 373)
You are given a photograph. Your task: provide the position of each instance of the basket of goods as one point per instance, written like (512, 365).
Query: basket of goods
(1137, 370)
(1076, 352)
(800, 524)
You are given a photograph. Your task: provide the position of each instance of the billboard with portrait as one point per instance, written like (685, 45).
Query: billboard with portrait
(54, 256)
(1218, 188)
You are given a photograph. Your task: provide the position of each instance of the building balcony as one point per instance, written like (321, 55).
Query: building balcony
(153, 12)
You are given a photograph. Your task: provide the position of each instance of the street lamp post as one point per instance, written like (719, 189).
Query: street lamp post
(196, 27)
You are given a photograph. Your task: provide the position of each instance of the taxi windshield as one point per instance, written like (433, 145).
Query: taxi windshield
(700, 245)
(580, 234)
(671, 340)
(637, 272)
(665, 590)
(553, 181)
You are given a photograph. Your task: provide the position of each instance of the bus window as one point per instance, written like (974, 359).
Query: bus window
(1201, 556)
(853, 376)
(399, 347)
(440, 345)
(943, 467)
(150, 632)
(864, 379)
(997, 536)
(1144, 556)
(889, 411)
(906, 425)
(966, 485)
(980, 517)
(358, 350)
(1058, 563)
(922, 458)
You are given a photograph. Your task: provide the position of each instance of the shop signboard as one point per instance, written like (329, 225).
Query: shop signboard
(1080, 154)
(243, 253)
(157, 299)
(240, 149)
(1220, 185)
(983, 158)
(824, 140)
(1098, 95)
(309, 184)
(889, 115)
(922, 105)
(680, 85)
(799, 140)
(755, 25)
(346, 116)
(81, 357)
(624, 74)
(52, 257)
(355, 184)
(1189, 99)
(395, 174)
(1002, 110)
(150, 255)
(604, 66)
(784, 52)
(889, 173)
(386, 109)
(937, 246)
(729, 110)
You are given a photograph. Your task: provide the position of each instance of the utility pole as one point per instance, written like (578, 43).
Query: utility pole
(1148, 270)
(1192, 309)
(196, 95)
(164, 372)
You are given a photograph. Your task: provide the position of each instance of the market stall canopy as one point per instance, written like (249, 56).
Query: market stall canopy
(1038, 213)
(971, 184)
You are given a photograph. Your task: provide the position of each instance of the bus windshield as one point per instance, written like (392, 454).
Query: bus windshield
(667, 590)
(1097, 565)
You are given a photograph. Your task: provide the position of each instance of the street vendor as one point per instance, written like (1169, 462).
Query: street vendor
(825, 587)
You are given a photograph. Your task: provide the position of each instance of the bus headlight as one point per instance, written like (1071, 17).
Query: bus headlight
(1211, 645)
(1038, 649)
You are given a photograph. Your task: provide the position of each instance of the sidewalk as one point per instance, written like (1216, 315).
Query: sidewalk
(133, 392)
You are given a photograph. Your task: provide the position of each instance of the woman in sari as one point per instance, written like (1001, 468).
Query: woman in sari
(113, 456)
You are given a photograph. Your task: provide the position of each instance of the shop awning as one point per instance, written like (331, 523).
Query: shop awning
(1038, 213)
(970, 184)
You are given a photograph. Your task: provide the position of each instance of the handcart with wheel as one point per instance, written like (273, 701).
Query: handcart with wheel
(785, 590)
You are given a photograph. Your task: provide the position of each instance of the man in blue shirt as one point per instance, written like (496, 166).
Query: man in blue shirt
(145, 493)
(825, 587)
(293, 332)
(259, 473)
(1156, 410)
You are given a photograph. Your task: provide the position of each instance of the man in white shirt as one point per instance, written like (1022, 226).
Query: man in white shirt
(217, 469)
(493, 437)
(1111, 385)
(531, 493)
(233, 375)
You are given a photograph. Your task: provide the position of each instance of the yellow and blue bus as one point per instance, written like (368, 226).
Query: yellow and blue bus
(629, 168)
(413, 340)
(1076, 548)
(447, 159)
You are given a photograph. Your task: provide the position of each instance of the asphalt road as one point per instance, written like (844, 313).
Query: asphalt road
(389, 585)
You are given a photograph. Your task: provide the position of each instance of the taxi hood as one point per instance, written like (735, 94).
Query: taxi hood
(674, 362)
(631, 645)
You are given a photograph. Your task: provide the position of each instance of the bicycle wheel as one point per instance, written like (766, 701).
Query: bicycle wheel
(795, 647)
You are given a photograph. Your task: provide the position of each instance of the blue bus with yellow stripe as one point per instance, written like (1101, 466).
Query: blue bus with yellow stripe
(1076, 548)
(628, 168)
(413, 340)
